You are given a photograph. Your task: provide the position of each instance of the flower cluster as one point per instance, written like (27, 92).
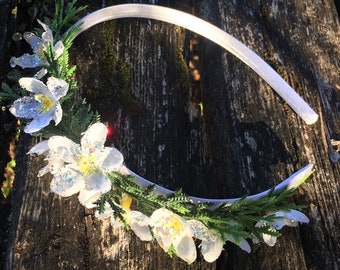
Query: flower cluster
(85, 168)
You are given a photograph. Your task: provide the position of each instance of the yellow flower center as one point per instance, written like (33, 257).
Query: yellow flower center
(125, 202)
(41, 51)
(174, 225)
(86, 164)
(46, 102)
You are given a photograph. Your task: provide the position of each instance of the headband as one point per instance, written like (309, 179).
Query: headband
(80, 163)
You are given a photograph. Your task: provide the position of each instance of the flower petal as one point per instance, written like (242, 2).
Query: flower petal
(211, 250)
(88, 197)
(63, 148)
(41, 73)
(139, 223)
(186, 249)
(58, 114)
(25, 107)
(33, 40)
(43, 171)
(33, 85)
(99, 182)
(163, 237)
(40, 148)
(58, 49)
(94, 138)
(47, 36)
(39, 122)
(55, 165)
(270, 240)
(27, 61)
(58, 87)
(294, 216)
(67, 182)
(242, 243)
(109, 159)
(277, 224)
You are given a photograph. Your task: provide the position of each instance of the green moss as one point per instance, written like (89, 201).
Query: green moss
(183, 70)
(119, 71)
(107, 31)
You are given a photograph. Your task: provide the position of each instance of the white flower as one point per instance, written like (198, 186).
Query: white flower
(139, 223)
(241, 242)
(39, 45)
(42, 106)
(290, 218)
(80, 168)
(171, 230)
(211, 245)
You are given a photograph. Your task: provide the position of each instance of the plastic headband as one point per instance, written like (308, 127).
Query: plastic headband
(212, 33)
(229, 43)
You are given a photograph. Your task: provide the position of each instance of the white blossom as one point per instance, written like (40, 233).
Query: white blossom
(171, 230)
(42, 105)
(211, 245)
(289, 218)
(80, 168)
(39, 46)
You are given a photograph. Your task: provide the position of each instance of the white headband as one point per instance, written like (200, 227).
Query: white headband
(212, 33)
(228, 42)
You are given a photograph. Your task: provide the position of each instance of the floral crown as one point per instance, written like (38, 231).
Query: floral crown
(80, 163)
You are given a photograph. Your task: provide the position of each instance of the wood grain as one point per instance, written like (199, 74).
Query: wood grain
(245, 140)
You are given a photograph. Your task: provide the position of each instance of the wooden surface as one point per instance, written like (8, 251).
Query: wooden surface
(135, 73)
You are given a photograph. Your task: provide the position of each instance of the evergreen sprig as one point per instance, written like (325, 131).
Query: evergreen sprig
(9, 94)
(64, 16)
(237, 219)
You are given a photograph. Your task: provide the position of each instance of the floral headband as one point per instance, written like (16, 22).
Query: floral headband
(80, 163)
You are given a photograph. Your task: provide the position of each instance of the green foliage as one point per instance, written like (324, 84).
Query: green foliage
(64, 16)
(76, 119)
(112, 198)
(9, 94)
(236, 220)
(171, 251)
(77, 116)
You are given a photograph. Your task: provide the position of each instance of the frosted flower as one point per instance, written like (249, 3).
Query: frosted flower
(171, 230)
(43, 105)
(211, 245)
(241, 242)
(39, 45)
(80, 168)
(138, 222)
(290, 218)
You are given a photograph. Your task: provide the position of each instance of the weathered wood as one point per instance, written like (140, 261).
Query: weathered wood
(246, 141)
(265, 139)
